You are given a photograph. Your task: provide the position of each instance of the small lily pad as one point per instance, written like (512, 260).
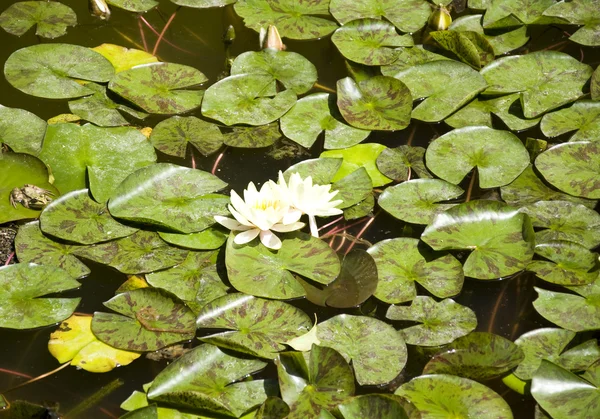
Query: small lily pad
(360, 155)
(470, 47)
(402, 162)
(579, 12)
(583, 117)
(51, 18)
(569, 263)
(21, 130)
(124, 58)
(172, 136)
(569, 311)
(21, 284)
(502, 43)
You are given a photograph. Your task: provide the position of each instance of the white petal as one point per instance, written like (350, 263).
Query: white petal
(241, 219)
(246, 236)
(292, 216)
(284, 228)
(313, 226)
(230, 223)
(270, 240)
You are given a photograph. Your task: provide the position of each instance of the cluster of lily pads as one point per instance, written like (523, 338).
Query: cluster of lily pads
(161, 224)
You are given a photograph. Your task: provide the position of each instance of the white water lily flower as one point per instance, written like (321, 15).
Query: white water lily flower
(306, 198)
(259, 213)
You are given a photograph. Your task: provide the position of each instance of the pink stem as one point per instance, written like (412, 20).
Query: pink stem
(143, 19)
(9, 258)
(219, 157)
(333, 222)
(338, 229)
(18, 374)
(162, 33)
(143, 35)
(337, 249)
(360, 233)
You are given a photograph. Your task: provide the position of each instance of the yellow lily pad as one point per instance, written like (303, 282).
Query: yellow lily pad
(124, 58)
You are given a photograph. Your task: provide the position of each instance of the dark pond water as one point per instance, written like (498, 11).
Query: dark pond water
(195, 38)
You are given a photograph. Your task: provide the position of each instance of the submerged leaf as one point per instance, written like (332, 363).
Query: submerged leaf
(253, 137)
(51, 18)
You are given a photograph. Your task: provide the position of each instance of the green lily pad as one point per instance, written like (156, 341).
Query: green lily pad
(21, 130)
(407, 15)
(243, 99)
(289, 68)
(545, 79)
(209, 379)
(253, 137)
(370, 41)
(381, 406)
(19, 170)
(22, 283)
(102, 156)
(415, 201)
(353, 188)
(569, 263)
(378, 103)
(564, 220)
(170, 196)
(501, 237)
(569, 311)
(478, 356)
(498, 155)
(203, 4)
(409, 57)
(146, 412)
(362, 209)
(78, 218)
(573, 168)
(273, 408)
(253, 325)
(313, 384)
(99, 109)
(402, 162)
(400, 265)
(124, 58)
(50, 70)
(149, 319)
(32, 246)
(322, 170)
(210, 238)
(563, 394)
(447, 85)
(595, 85)
(314, 114)
(51, 18)
(446, 396)
(470, 47)
(583, 117)
(355, 157)
(134, 5)
(442, 322)
(172, 136)
(254, 269)
(357, 338)
(160, 88)
(502, 43)
(579, 12)
(294, 19)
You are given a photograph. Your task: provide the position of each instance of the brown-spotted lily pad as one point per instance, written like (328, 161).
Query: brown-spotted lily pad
(52, 18)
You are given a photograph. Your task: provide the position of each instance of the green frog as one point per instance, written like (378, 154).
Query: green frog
(30, 196)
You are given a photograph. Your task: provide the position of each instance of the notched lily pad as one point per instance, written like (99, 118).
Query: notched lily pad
(52, 18)
(579, 12)
(172, 136)
(381, 406)
(583, 118)
(403, 162)
(510, 13)
(568, 263)
(569, 311)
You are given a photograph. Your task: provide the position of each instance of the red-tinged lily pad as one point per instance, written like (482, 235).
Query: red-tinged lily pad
(254, 326)
(50, 70)
(172, 136)
(149, 319)
(162, 88)
(21, 130)
(579, 12)
(381, 406)
(170, 196)
(569, 311)
(211, 380)
(400, 265)
(442, 322)
(20, 287)
(583, 118)
(51, 18)
(501, 237)
(447, 396)
(403, 162)
(568, 263)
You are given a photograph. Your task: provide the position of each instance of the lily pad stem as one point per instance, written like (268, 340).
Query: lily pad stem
(219, 157)
(336, 230)
(471, 185)
(143, 35)
(164, 39)
(411, 136)
(162, 33)
(12, 254)
(341, 217)
(39, 377)
(361, 232)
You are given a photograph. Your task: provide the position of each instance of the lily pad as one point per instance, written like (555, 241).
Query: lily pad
(470, 47)
(162, 88)
(322, 170)
(149, 319)
(133, 5)
(21, 130)
(170, 196)
(253, 325)
(579, 12)
(124, 58)
(210, 238)
(595, 85)
(415, 201)
(203, 4)
(370, 41)
(573, 168)
(500, 236)
(447, 85)
(498, 155)
(400, 265)
(253, 137)
(478, 356)
(209, 379)
(545, 79)
(357, 338)
(355, 157)
(314, 114)
(409, 57)
(294, 19)
(378, 103)
(569, 311)
(381, 406)
(244, 99)
(21, 284)
(569, 263)
(445, 396)
(172, 136)
(74, 341)
(442, 322)
(508, 13)
(51, 70)
(583, 118)
(273, 408)
(402, 162)
(102, 156)
(51, 18)
(502, 43)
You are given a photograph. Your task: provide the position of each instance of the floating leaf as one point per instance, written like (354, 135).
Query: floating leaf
(124, 58)
(498, 155)
(172, 136)
(312, 115)
(579, 12)
(21, 130)
(470, 47)
(353, 188)
(378, 103)
(149, 320)
(595, 85)
(51, 18)
(583, 117)
(545, 79)
(503, 13)
(502, 43)
(370, 41)
(322, 170)
(203, 4)
(74, 341)
(500, 236)
(22, 283)
(207, 378)
(478, 356)
(147, 412)
(255, 326)
(362, 209)
(102, 156)
(409, 57)
(415, 201)
(160, 88)
(50, 70)
(399, 163)
(442, 322)
(170, 196)
(273, 408)
(447, 85)
(381, 406)
(210, 238)
(570, 263)
(134, 5)
(360, 155)
(253, 137)
(569, 311)
(400, 265)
